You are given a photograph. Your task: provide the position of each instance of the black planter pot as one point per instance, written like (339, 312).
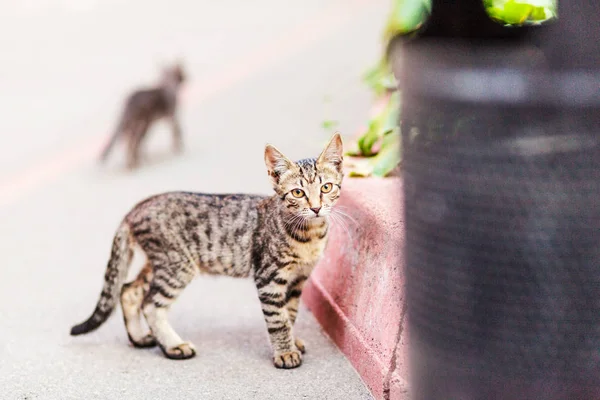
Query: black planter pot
(500, 133)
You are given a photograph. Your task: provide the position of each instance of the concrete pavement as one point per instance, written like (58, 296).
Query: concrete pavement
(259, 73)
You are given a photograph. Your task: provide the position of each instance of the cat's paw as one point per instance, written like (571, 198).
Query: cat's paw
(180, 352)
(145, 342)
(132, 164)
(291, 359)
(300, 345)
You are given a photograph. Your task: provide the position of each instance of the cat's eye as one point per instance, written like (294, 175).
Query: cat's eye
(326, 188)
(298, 193)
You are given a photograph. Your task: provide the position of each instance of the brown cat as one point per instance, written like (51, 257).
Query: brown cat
(277, 240)
(142, 108)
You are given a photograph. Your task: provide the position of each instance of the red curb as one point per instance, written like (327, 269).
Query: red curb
(356, 291)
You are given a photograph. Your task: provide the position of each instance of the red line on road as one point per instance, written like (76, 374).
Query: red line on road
(50, 169)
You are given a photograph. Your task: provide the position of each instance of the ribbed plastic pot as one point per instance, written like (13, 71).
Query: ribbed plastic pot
(501, 170)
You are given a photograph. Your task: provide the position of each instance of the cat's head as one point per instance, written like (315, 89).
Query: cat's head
(308, 188)
(173, 75)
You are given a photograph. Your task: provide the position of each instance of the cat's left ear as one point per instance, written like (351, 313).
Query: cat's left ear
(179, 69)
(163, 68)
(277, 164)
(333, 153)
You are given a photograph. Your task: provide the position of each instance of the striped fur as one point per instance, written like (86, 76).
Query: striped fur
(116, 272)
(275, 240)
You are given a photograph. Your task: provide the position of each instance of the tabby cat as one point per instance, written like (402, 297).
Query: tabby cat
(145, 106)
(277, 240)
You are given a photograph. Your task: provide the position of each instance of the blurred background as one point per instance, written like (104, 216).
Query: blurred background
(257, 72)
(261, 71)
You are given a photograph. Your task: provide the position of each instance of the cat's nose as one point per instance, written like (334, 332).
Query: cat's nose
(316, 210)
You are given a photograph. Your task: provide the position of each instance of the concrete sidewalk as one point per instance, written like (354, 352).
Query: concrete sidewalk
(63, 77)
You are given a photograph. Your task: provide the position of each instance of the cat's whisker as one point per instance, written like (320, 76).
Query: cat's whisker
(345, 220)
(339, 207)
(343, 216)
(296, 222)
(338, 221)
(292, 219)
(345, 228)
(342, 213)
(344, 209)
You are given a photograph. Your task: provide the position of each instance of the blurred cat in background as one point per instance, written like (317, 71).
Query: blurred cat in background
(145, 106)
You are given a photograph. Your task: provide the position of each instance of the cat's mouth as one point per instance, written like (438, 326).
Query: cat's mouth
(318, 217)
(312, 217)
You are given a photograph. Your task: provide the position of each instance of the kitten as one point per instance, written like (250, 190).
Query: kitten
(277, 240)
(145, 106)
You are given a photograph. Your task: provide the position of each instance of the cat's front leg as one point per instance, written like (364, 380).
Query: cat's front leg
(136, 134)
(293, 301)
(273, 301)
(177, 136)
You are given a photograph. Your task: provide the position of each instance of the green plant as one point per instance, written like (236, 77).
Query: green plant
(511, 12)
(378, 149)
(406, 16)
(382, 130)
(330, 125)
(380, 78)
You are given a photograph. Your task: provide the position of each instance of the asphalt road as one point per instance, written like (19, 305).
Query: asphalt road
(260, 71)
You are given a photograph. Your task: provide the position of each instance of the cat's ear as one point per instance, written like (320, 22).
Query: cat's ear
(178, 69)
(277, 164)
(333, 153)
(163, 68)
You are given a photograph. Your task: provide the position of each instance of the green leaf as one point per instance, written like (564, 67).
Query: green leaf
(406, 16)
(516, 13)
(391, 114)
(538, 14)
(380, 78)
(360, 168)
(512, 12)
(495, 13)
(381, 164)
(383, 127)
(389, 156)
(330, 124)
(389, 81)
(381, 124)
(368, 140)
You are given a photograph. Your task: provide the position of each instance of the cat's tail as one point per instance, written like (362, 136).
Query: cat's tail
(116, 273)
